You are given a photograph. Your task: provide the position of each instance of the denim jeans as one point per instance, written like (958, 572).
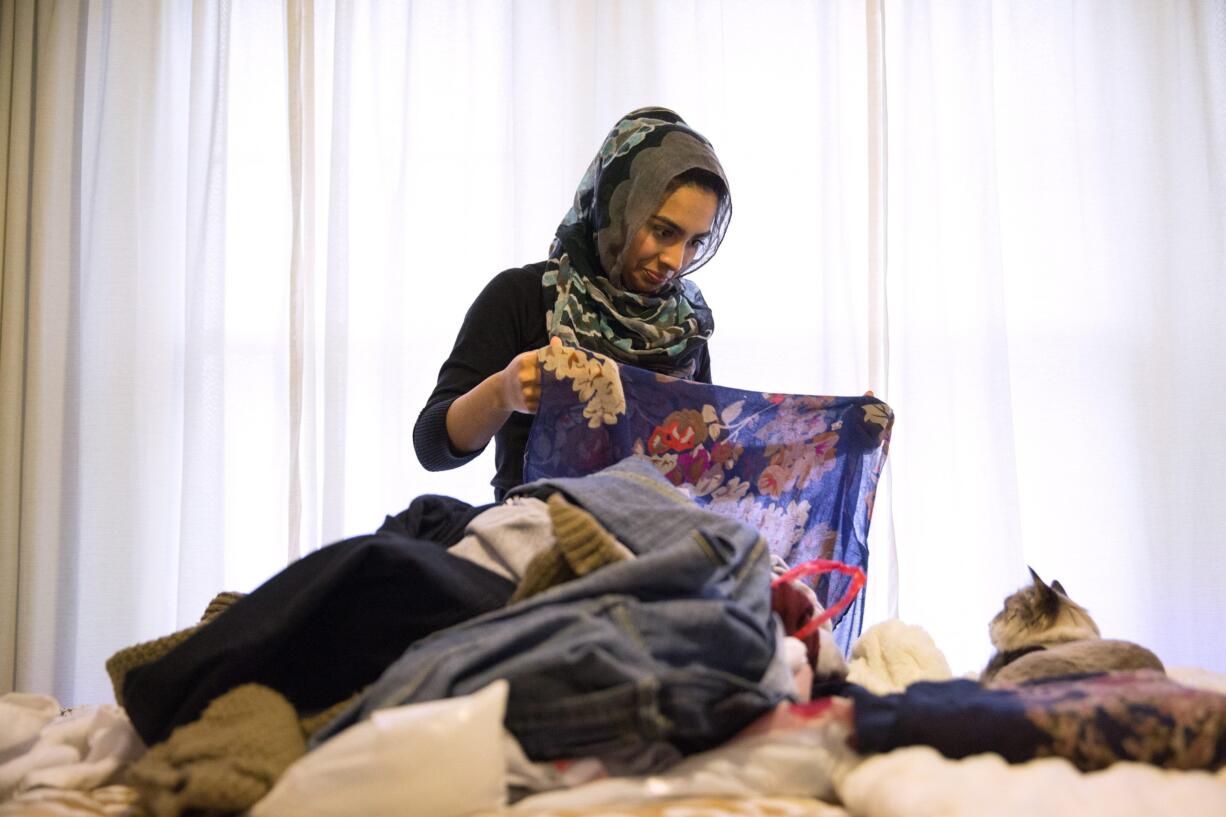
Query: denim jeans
(672, 646)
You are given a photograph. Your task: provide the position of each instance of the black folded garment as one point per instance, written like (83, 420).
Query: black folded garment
(317, 632)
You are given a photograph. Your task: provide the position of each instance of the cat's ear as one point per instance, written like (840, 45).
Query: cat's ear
(1059, 588)
(1046, 598)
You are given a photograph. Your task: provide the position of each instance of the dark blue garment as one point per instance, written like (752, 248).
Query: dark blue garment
(672, 646)
(959, 718)
(435, 518)
(318, 631)
(1090, 720)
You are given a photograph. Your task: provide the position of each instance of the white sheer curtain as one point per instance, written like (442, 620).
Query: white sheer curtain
(1057, 274)
(253, 228)
(273, 218)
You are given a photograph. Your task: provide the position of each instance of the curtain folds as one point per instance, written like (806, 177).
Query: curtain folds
(200, 523)
(17, 23)
(238, 239)
(41, 254)
(882, 602)
(301, 86)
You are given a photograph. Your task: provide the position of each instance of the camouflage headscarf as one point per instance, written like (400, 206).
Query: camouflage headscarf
(625, 184)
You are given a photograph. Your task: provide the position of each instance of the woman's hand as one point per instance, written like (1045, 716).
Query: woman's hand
(519, 384)
(473, 418)
(521, 381)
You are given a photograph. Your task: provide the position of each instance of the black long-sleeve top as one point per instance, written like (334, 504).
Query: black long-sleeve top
(507, 318)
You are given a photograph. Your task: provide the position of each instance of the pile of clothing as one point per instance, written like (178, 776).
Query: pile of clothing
(631, 626)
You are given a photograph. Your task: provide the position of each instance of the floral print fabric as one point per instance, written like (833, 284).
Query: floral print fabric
(1090, 720)
(803, 470)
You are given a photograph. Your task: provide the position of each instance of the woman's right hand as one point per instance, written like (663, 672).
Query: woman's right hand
(474, 417)
(521, 381)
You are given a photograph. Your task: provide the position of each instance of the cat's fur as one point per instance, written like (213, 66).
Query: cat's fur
(1042, 633)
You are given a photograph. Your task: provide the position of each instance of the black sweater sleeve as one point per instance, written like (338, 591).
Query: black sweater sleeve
(507, 318)
(703, 372)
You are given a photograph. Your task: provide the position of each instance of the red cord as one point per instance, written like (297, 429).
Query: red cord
(816, 567)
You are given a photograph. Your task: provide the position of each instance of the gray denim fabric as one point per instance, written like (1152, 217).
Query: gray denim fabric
(671, 647)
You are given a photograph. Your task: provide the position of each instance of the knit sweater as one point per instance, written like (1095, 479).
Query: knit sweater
(507, 318)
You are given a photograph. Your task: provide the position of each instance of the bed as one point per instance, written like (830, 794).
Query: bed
(798, 761)
(629, 634)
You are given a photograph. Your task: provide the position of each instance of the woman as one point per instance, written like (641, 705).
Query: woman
(652, 207)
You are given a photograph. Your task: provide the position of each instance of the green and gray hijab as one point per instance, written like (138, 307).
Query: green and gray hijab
(625, 184)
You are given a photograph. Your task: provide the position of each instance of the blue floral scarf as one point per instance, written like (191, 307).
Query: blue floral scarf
(802, 470)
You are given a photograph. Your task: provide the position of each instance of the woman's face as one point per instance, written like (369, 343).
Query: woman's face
(665, 245)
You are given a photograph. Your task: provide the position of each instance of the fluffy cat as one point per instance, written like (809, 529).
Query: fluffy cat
(1042, 633)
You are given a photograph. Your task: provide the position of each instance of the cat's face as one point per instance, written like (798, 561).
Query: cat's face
(1040, 614)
